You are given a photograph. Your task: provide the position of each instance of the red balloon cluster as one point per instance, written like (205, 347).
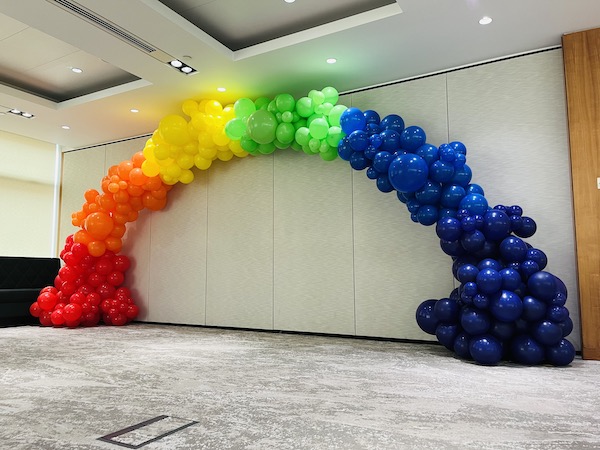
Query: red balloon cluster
(86, 290)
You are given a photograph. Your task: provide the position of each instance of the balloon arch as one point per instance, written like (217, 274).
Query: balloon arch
(506, 307)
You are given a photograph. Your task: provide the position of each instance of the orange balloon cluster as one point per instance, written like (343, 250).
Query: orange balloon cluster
(126, 190)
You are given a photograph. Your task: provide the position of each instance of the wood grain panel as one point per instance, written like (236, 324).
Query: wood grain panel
(582, 75)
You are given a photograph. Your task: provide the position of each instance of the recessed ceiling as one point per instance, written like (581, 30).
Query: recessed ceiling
(251, 48)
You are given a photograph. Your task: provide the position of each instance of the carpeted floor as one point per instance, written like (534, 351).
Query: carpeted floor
(224, 389)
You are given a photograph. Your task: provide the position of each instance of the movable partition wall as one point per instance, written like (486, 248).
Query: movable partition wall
(290, 242)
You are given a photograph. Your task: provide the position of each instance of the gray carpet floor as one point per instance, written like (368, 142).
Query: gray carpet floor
(199, 388)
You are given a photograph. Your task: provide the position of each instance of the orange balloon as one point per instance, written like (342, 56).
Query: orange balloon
(118, 231)
(113, 170)
(90, 195)
(153, 203)
(99, 225)
(113, 187)
(137, 177)
(123, 185)
(123, 208)
(134, 191)
(132, 216)
(105, 183)
(120, 219)
(124, 169)
(82, 237)
(136, 203)
(107, 202)
(137, 159)
(121, 197)
(113, 244)
(159, 193)
(96, 248)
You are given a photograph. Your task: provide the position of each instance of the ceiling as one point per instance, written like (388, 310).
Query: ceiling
(250, 47)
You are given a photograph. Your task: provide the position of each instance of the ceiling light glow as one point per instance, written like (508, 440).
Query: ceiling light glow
(289, 1)
(221, 89)
(485, 20)
(331, 60)
(76, 70)
(66, 127)
(134, 110)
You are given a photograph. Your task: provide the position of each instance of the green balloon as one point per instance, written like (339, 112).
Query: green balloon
(305, 107)
(235, 129)
(334, 136)
(262, 102)
(280, 145)
(299, 123)
(314, 145)
(329, 155)
(261, 126)
(272, 107)
(285, 103)
(319, 128)
(285, 133)
(331, 95)
(243, 107)
(248, 144)
(287, 117)
(335, 114)
(316, 96)
(295, 146)
(266, 149)
(302, 136)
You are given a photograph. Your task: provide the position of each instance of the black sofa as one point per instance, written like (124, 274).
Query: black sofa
(21, 279)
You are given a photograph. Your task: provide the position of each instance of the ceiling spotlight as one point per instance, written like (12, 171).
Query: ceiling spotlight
(66, 127)
(289, 1)
(221, 89)
(331, 60)
(485, 20)
(76, 70)
(18, 112)
(183, 68)
(134, 110)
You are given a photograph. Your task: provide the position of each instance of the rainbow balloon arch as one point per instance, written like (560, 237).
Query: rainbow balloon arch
(506, 307)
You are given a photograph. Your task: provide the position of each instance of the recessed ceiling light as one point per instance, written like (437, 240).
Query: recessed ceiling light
(66, 127)
(15, 111)
(184, 68)
(221, 89)
(18, 112)
(331, 60)
(76, 70)
(187, 69)
(485, 20)
(176, 63)
(28, 115)
(289, 1)
(134, 110)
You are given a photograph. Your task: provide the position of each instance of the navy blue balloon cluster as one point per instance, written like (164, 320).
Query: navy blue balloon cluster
(506, 307)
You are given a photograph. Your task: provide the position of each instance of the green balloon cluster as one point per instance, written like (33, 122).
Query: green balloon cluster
(310, 124)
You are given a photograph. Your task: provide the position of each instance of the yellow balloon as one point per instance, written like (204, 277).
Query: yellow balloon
(164, 162)
(149, 151)
(186, 177)
(225, 156)
(202, 163)
(213, 107)
(228, 113)
(220, 138)
(185, 161)
(162, 151)
(207, 152)
(150, 168)
(205, 140)
(191, 148)
(174, 170)
(189, 107)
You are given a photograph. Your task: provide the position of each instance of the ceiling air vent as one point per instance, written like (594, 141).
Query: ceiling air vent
(106, 25)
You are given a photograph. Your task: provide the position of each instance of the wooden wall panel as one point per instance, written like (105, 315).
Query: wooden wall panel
(582, 75)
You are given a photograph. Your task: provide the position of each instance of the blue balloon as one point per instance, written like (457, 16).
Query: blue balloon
(425, 317)
(370, 152)
(513, 249)
(538, 256)
(428, 152)
(474, 204)
(452, 248)
(358, 140)
(468, 223)
(412, 138)
(447, 153)
(393, 122)
(459, 147)
(547, 333)
(447, 310)
(371, 116)
(441, 171)
(472, 241)
(566, 326)
(446, 334)
(390, 140)
(474, 189)
(486, 350)
(542, 285)
(447, 212)
(461, 346)
(427, 215)
(375, 140)
(383, 183)
(527, 229)
(408, 173)
(489, 281)
(382, 161)
(557, 313)
(481, 301)
(561, 354)
(533, 309)
(528, 268)
(344, 149)
(489, 263)
(358, 161)
(474, 321)
(413, 206)
(429, 194)
(506, 306)
(452, 194)
(515, 210)
(448, 229)
(489, 250)
(372, 174)
(352, 119)
(462, 176)
(516, 222)
(525, 350)
(466, 273)
(373, 129)
(503, 330)
(496, 225)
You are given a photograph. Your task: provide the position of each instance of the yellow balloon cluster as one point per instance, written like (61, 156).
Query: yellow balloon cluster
(178, 145)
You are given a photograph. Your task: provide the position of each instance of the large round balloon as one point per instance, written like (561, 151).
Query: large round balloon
(408, 173)
(262, 126)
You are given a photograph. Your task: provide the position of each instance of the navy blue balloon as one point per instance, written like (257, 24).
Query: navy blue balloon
(372, 174)
(474, 189)
(448, 229)
(527, 229)
(489, 281)
(372, 116)
(373, 129)
(557, 313)
(528, 268)
(542, 285)
(489, 263)
(513, 249)
(560, 286)
(546, 333)
(533, 309)
(496, 225)
(408, 173)
(441, 171)
(474, 204)
(474, 321)
(461, 346)
(447, 212)
(344, 149)
(458, 147)
(427, 215)
(382, 161)
(383, 183)
(558, 300)
(447, 310)
(371, 151)
(472, 241)
(538, 256)
(466, 273)
(425, 317)
(358, 161)
(430, 193)
(412, 138)
(516, 222)
(486, 350)
(525, 350)
(446, 334)
(392, 122)
(428, 152)
(511, 279)
(468, 223)
(566, 326)
(506, 306)
(452, 248)
(390, 140)
(413, 206)
(452, 194)
(352, 119)
(481, 301)
(462, 176)
(503, 330)
(561, 354)
(358, 140)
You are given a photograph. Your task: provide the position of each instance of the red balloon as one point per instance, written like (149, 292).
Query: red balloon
(86, 289)
(106, 290)
(115, 278)
(67, 273)
(104, 266)
(132, 312)
(93, 298)
(118, 319)
(95, 279)
(47, 301)
(68, 288)
(90, 319)
(35, 309)
(77, 297)
(79, 250)
(45, 320)
(122, 263)
(51, 289)
(72, 312)
(57, 318)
